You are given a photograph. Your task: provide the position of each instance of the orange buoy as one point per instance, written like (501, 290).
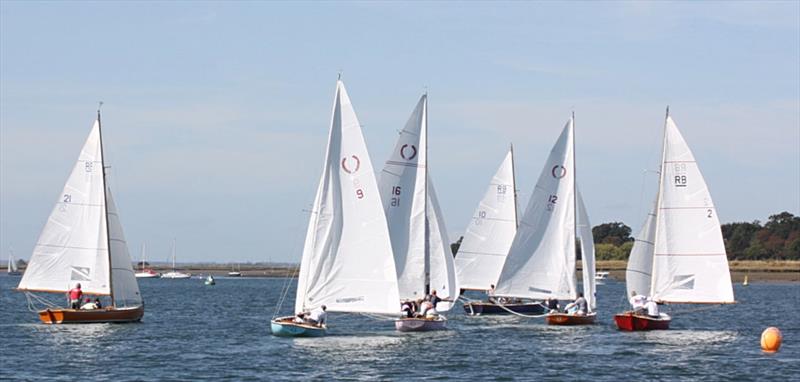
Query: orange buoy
(771, 339)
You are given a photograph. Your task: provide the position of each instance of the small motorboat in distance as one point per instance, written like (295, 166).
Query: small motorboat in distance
(601, 276)
(210, 280)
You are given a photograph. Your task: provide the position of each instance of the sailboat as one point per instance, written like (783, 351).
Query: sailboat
(486, 243)
(678, 256)
(541, 261)
(12, 265)
(82, 242)
(174, 274)
(146, 273)
(422, 255)
(210, 280)
(347, 262)
(234, 272)
(745, 282)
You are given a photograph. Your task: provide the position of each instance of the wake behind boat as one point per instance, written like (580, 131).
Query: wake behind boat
(679, 255)
(347, 263)
(82, 244)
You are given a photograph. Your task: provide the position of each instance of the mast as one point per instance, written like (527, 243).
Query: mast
(514, 187)
(661, 171)
(173, 254)
(105, 207)
(427, 223)
(575, 203)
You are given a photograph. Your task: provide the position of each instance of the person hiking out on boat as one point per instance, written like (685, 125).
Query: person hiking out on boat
(88, 304)
(407, 307)
(577, 307)
(75, 295)
(637, 302)
(97, 303)
(318, 316)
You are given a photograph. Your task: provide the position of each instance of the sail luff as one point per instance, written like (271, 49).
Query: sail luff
(661, 173)
(586, 239)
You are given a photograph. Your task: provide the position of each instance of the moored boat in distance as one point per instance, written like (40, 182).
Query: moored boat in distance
(83, 243)
(679, 256)
(347, 264)
(146, 273)
(174, 274)
(601, 276)
(235, 272)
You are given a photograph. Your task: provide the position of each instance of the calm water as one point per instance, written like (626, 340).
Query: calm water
(192, 331)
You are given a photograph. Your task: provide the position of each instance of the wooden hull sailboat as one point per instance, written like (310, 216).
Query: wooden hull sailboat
(287, 327)
(679, 254)
(570, 319)
(82, 247)
(84, 316)
(420, 324)
(632, 321)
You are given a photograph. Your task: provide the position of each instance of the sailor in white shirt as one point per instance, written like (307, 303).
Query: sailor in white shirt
(637, 301)
(318, 316)
(652, 308)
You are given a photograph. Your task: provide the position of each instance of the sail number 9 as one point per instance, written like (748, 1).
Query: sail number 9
(396, 191)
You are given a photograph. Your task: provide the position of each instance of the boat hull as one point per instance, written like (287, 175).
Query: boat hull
(286, 327)
(630, 321)
(86, 316)
(176, 276)
(420, 324)
(479, 308)
(570, 319)
(147, 275)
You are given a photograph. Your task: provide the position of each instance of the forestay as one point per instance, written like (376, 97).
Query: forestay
(541, 261)
(690, 263)
(72, 247)
(347, 261)
(586, 240)
(402, 185)
(490, 233)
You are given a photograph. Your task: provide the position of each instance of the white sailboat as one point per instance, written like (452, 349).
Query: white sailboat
(679, 256)
(82, 242)
(487, 241)
(146, 273)
(12, 264)
(235, 272)
(174, 274)
(347, 263)
(541, 261)
(419, 238)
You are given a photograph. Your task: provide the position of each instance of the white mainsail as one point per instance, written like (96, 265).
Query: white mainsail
(490, 233)
(123, 279)
(640, 262)
(347, 261)
(73, 246)
(442, 267)
(403, 189)
(690, 264)
(541, 261)
(416, 224)
(586, 240)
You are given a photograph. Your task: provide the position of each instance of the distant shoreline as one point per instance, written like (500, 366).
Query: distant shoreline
(756, 270)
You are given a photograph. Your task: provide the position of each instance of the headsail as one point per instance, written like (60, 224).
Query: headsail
(73, 245)
(640, 262)
(541, 261)
(488, 237)
(689, 264)
(123, 279)
(347, 261)
(442, 268)
(586, 240)
(402, 185)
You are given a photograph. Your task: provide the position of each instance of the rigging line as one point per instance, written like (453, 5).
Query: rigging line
(377, 317)
(290, 275)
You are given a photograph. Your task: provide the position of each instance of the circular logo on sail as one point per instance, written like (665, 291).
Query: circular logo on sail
(413, 152)
(559, 171)
(349, 169)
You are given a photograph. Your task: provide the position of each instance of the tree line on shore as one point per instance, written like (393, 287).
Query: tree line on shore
(777, 239)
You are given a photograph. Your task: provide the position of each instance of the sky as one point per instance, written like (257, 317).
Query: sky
(216, 114)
